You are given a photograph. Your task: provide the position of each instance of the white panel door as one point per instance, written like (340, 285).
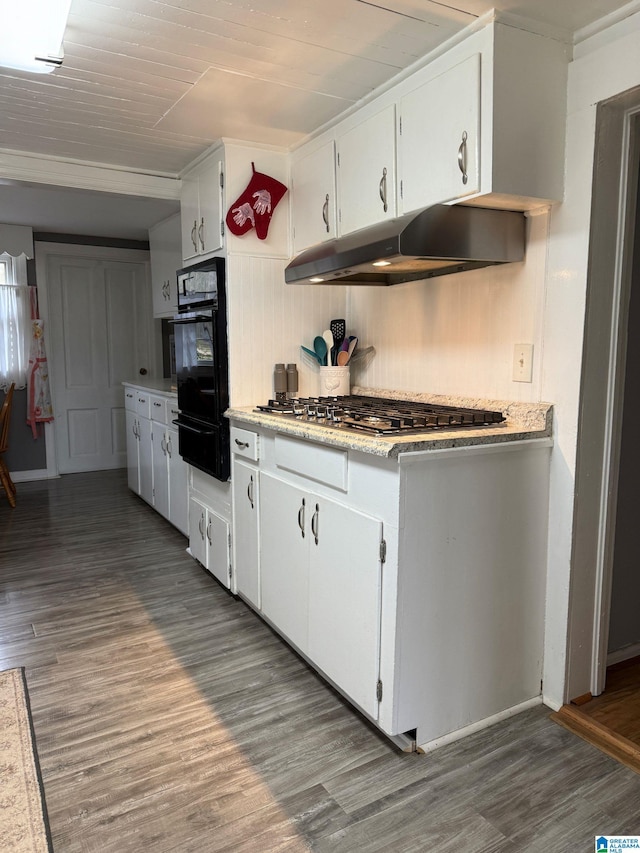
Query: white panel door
(344, 599)
(246, 544)
(99, 336)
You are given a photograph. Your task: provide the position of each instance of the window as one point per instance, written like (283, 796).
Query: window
(14, 321)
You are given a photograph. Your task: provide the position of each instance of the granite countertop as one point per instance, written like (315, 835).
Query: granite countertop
(158, 386)
(523, 421)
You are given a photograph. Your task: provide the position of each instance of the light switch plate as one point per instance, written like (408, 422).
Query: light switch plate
(523, 362)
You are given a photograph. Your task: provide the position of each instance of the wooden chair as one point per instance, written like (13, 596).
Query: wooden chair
(5, 416)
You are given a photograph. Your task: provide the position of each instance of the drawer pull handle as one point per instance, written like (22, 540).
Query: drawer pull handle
(314, 523)
(462, 157)
(301, 517)
(243, 445)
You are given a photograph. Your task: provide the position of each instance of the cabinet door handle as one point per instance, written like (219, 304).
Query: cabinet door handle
(169, 450)
(243, 445)
(325, 212)
(250, 491)
(201, 233)
(201, 526)
(314, 523)
(193, 235)
(209, 532)
(462, 157)
(163, 445)
(383, 189)
(301, 517)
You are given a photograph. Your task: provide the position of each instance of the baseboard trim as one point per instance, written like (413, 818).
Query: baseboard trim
(36, 474)
(626, 653)
(617, 746)
(481, 724)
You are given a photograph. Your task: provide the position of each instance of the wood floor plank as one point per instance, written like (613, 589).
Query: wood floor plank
(170, 718)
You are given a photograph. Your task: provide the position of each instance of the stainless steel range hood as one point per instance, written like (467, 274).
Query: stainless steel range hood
(439, 240)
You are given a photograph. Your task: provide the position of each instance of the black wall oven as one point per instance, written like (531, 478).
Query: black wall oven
(202, 368)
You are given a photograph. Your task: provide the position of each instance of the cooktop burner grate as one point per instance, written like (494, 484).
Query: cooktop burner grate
(379, 415)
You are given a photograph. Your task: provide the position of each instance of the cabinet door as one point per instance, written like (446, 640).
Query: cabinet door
(166, 258)
(178, 483)
(314, 197)
(344, 599)
(189, 216)
(209, 230)
(284, 544)
(145, 460)
(440, 137)
(246, 558)
(366, 172)
(197, 530)
(217, 545)
(160, 469)
(133, 470)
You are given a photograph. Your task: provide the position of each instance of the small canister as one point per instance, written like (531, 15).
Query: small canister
(280, 381)
(292, 381)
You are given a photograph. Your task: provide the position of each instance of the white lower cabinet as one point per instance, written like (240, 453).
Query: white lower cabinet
(246, 544)
(155, 469)
(415, 584)
(321, 582)
(209, 540)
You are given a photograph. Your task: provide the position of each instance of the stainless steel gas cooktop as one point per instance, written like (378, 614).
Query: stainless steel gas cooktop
(379, 415)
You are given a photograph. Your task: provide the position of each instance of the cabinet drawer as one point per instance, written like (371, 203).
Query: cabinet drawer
(326, 465)
(131, 399)
(157, 408)
(172, 410)
(244, 443)
(143, 403)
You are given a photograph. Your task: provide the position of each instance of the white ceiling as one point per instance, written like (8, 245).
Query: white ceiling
(150, 84)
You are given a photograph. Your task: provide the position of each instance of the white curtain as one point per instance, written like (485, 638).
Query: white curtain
(15, 325)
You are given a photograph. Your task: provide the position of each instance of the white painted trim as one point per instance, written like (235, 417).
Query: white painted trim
(32, 476)
(481, 724)
(613, 429)
(626, 653)
(89, 176)
(604, 23)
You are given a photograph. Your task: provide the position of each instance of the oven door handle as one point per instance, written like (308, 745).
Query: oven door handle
(182, 425)
(197, 318)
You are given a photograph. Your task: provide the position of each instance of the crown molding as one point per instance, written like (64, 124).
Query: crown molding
(20, 167)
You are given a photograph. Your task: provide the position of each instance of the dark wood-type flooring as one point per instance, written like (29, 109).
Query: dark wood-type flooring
(611, 720)
(168, 717)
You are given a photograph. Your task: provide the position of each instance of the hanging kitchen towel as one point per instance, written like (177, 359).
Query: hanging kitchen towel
(39, 407)
(254, 208)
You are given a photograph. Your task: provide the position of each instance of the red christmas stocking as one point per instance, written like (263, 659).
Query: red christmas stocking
(256, 205)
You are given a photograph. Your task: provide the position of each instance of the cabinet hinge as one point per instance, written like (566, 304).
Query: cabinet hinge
(400, 125)
(222, 227)
(338, 158)
(401, 189)
(221, 180)
(383, 550)
(379, 691)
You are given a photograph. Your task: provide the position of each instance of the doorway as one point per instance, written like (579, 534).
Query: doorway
(97, 302)
(612, 253)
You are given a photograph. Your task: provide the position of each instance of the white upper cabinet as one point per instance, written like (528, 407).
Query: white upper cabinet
(367, 172)
(314, 197)
(201, 209)
(439, 138)
(166, 259)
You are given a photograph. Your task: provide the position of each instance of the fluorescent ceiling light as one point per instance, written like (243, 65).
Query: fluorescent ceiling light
(32, 33)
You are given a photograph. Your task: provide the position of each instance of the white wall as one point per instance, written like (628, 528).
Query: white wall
(455, 334)
(603, 66)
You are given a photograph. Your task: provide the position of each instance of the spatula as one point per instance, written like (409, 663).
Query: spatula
(338, 330)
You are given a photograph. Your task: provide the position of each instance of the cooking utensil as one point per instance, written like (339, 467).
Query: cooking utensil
(360, 354)
(353, 343)
(320, 346)
(311, 352)
(338, 330)
(328, 339)
(343, 358)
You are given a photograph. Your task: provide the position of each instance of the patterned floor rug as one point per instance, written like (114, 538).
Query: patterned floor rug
(23, 815)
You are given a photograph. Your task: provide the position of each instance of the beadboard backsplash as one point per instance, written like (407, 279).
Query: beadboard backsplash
(451, 335)
(455, 334)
